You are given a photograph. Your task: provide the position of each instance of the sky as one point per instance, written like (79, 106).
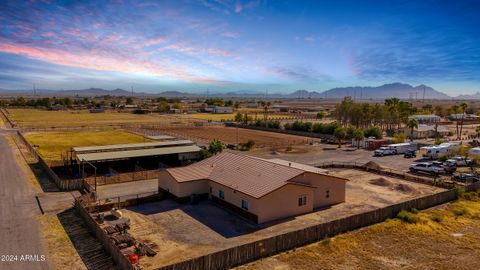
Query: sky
(233, 45)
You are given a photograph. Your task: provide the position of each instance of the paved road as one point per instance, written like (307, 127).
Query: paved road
(19, 228)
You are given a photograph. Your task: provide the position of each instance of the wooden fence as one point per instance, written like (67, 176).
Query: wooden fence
(242, 254)
(120, 260)
(439, 182)
(7, 119)
(74, 184)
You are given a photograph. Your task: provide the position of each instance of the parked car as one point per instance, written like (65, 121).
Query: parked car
(425, 167)
(410, 154)
(466, 177)
(461, 161)
(384, 151)
(448, 168)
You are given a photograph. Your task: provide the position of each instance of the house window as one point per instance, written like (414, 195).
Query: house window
(327, 194)
(245, 204)
(221, 194)
(302, 200)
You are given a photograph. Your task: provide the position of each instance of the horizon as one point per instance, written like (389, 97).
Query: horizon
(223, 46)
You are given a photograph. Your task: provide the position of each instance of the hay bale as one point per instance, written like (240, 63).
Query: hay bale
(380, 182)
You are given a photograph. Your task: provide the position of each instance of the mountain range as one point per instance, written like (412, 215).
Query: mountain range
(399, 90)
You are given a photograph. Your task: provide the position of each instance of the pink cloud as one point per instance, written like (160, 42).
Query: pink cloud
(48, 34)
(238, 8)
(219, 52)
(230, 34)
(101, 60)
(155, 41)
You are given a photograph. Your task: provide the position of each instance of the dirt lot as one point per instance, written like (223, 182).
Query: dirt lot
(443, 238)
(319, 153)
(183, 231)
(230, 135)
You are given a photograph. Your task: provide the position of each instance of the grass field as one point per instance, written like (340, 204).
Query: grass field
(445, 237)
(53, 144)
(33, 118)
(230, 116)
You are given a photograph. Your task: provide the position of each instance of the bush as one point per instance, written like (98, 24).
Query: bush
(246, 146)
(399, 138)
(408, 217)
(438, 141)
(470, 196)
(373, 132)
(437, 217)
(443, 158)
(414, 210)
(460, 211)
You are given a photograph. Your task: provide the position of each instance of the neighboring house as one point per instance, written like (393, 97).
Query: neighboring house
(427, 131)
(259, 189)
(425, 118)
(466, 117)
(222, 110)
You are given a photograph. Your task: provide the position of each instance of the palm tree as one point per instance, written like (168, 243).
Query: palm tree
(455, 110)
(358, 135)
(412, 124)
(339, 134)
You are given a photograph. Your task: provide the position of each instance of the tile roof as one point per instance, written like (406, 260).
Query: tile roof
(250, 175)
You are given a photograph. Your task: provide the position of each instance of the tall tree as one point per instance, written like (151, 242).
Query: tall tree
(339, 134)
(463, 108)
(412, 124)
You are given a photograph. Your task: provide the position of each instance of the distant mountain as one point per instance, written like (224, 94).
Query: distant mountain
(304, 94)
(472, 96)
(398, 90)
(90, 92)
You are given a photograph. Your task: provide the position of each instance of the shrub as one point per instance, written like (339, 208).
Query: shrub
(373, 132)
(414, 210)
(437, 217)
(408, 217)
(399, 138)
(246, 146)
(460, 211)
(470, 196)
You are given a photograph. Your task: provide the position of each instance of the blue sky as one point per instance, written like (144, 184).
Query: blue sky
(230, 45)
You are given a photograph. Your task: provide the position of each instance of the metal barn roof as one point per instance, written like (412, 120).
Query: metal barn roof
(113, 147)
(102, 156)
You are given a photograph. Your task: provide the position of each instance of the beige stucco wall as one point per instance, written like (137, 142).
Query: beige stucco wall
(278, 204)
(235, 197)
(322, 184)
(184, 189)
(283, 203)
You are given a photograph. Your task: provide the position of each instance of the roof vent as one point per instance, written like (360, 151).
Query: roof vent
(289, 164)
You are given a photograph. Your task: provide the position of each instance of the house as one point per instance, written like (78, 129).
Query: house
(425, 118)
(427, 131)
(222, 110)
(259, 189)
(465, 117)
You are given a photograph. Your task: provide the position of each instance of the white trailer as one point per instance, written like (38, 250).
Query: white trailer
(437, 151)
(401, 148)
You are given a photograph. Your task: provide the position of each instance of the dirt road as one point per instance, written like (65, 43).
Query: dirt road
(19, 233)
